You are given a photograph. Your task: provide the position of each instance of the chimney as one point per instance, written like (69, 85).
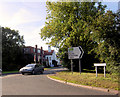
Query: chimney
(35, 48)
(36, 54)
(41, 55)
(41, 48)
(49, 49)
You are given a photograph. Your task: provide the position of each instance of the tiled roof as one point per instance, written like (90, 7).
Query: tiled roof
(48, 53)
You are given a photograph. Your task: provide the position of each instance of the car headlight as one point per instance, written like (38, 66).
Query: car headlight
(21, 70)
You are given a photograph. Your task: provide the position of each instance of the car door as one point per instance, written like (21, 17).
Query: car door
(36, 69)
(40, 68)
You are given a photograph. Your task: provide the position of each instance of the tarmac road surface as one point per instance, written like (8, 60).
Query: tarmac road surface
(18, 84)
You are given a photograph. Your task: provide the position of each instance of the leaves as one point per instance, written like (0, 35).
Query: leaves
(12, 44)
(83, 24)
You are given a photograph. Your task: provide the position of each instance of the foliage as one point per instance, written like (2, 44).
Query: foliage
(6, 72)
(12, 51)
(85, 24)
(105, 32)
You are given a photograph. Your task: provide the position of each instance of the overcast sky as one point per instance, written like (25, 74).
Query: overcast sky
(29, 18)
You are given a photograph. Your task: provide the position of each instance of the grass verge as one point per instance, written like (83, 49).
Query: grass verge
(48, 68)
(89, 79)
(5, 72)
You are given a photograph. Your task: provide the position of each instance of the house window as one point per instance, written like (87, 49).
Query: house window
(38, 51)
(34, 50)
(26, 50)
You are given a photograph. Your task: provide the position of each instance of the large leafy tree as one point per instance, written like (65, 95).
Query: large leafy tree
(105, 31)
(12, 44)
(67, 22)
(79, 24)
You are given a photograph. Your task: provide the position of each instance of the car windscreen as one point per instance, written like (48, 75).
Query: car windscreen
(30, 65)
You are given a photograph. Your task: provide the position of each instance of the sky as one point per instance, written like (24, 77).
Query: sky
(29, 17)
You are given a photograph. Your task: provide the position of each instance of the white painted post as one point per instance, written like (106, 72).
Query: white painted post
(104, 72)
(100, 64)
(96, 70)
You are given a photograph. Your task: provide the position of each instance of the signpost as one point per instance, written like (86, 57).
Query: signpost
(75, 53)
(100, 64)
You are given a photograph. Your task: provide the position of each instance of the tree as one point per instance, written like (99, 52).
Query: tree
(71, 24)
(105, 31)
(12, 44)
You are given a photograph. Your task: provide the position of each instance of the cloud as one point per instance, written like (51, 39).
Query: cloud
(37, 39)
(4, 17)
(25, 19)
(22, 16)
(33, 38)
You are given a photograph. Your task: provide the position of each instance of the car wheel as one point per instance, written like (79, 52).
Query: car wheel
(33, 72)
(41, 72)
(22, 73)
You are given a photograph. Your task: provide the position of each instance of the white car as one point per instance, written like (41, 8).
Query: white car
(32, 68)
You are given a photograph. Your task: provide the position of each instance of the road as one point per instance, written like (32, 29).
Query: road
(18, 84)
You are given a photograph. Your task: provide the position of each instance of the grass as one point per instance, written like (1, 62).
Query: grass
(5, 72)
(89, 79)
(48, 68)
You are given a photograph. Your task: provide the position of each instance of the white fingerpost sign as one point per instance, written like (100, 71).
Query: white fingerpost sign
(75, 53)
(100, 64)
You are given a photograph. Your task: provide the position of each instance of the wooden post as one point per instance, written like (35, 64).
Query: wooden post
(80, 66)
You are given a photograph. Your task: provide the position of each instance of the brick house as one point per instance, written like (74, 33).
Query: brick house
(46, 57)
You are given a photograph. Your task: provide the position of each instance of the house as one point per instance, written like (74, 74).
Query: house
(46, 57)
(33, 52)
(51, 57)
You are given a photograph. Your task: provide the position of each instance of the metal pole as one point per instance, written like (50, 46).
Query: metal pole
(104, 72)
(96, 70)
(80, 66)
(71, 66)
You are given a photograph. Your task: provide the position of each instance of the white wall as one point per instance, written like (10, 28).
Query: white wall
(50, 61)
(53, 57)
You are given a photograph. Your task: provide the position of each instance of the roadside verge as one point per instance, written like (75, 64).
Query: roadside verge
(90, 87)
(5, 74)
